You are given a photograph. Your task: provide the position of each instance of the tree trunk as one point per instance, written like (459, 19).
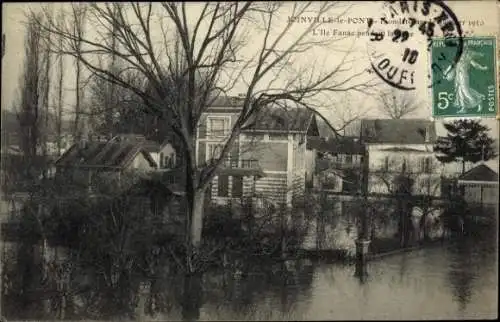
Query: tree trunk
(77, 130)
(196, 216)
(59, 101)
(463, 166)
(192, 297)
(46, 106)
(405, 223)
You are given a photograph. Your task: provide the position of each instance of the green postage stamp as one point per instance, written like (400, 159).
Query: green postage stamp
(469, 87)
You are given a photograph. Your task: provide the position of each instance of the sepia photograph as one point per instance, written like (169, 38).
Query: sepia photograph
(248, 161)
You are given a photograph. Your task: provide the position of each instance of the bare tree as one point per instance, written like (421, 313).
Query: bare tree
(60, 96)
(78, 14)
(29, 106)
(46, 82)
(212, 58)
(412, 184)
(397, 104)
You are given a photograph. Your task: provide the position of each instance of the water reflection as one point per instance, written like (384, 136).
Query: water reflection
(279, 287)
(470, 264)
(450, 281)
(441, 282)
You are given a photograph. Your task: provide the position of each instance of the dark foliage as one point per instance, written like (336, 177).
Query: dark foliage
(466, 141)
(116, 243)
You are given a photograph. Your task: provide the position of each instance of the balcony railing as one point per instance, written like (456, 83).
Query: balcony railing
(242, 164)
(203, 133)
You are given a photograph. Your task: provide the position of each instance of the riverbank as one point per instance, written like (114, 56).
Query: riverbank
(427, 244)
(381, 249)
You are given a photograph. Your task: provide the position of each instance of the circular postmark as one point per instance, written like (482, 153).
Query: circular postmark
(401, 36)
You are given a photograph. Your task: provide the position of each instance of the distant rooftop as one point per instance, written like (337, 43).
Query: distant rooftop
(226, 101)
(276, 119)
(341, 145)
(115, 154)
(398, 131)
(480, 173)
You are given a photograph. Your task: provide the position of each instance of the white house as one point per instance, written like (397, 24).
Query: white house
(164, 155)
(91, 163)
(480, 185)
(397, 146)
(268, 156)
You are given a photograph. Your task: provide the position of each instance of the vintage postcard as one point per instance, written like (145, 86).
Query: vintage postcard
(249, 161)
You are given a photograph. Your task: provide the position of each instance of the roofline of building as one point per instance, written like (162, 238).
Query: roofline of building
(138, 149)
(89, 166)
(274, 131)
(404, 119)
(388, 143)
(477, 182)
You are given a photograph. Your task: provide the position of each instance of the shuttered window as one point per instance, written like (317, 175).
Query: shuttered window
(223, 186)
(237, 188)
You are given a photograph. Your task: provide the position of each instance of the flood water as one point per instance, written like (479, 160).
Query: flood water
(452, 281)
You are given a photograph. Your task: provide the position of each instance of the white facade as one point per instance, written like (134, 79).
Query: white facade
(418, 161)
(165, 158)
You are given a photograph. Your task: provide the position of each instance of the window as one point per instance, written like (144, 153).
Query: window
(348, 159)
(161, 160)
(214, 151)
(385, 166)
(428, 165)
(425, 165)
(404, 166)
(351, 183)
(237, 188)
(302, 139)
(223, 186)
(426, 184)
(167, 162)
(218, 126)
(329, 180)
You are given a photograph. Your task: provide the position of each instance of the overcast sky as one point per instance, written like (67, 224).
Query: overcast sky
(484, 12)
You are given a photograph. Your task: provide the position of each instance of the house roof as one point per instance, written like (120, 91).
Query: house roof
(404, 149)
(111, 154)
(343, 145)
(227, 101)
(225, 104)
(276, 119)
(325, 130)
(480, 173)
(398, 131)
(150, 146)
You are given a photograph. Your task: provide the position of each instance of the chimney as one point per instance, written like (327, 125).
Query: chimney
(427, 134)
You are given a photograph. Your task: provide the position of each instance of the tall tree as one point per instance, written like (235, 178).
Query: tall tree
(47, 55)
(467, 141)
(78, 12)
(397, 104)
(29, 106)
(213, 57)
(60, 92)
